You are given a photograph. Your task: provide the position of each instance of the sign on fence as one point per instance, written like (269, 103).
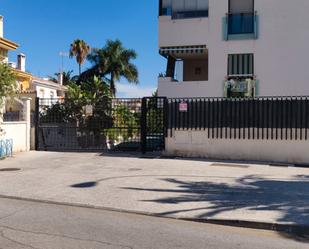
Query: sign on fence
(183, 106)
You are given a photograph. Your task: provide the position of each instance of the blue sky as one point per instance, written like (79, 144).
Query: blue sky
(43, 28)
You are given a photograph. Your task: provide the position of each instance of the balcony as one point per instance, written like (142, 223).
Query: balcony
(184, 9)
(240, 26)
(241, 88)
(186, 72)
(190, 14)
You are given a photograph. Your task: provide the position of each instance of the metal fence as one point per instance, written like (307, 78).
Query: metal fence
(271, 118)
(67, 124)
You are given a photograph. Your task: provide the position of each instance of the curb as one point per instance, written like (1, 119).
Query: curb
(278, 227)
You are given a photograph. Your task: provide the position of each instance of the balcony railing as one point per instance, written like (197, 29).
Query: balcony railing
(242, 23)
(190, 14)
(168, 11)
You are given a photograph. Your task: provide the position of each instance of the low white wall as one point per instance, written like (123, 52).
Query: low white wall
(197, 144)
(185, 89)
(18, 132)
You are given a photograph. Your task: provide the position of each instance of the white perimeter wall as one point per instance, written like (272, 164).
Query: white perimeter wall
(18, 132)
(197, 144)
(281, 51)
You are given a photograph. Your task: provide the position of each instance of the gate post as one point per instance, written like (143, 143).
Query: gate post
(144, 126)
(37, 118)
(165, 120)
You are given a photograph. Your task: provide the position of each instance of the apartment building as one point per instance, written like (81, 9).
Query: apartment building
(234, 48)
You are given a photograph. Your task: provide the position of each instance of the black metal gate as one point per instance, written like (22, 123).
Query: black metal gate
(154, 124)
(108, 124)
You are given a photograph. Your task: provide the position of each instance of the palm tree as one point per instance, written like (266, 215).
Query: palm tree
(79, 49)
(114, 61)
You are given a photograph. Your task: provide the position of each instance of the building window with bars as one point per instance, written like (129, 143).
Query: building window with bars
(240, 65)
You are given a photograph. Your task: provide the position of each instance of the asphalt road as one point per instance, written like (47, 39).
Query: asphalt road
(28, 225)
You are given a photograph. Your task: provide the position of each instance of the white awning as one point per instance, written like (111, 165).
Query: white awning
(198, 49)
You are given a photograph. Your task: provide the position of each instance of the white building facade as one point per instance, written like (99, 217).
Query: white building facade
(46, 89)
(234, 48)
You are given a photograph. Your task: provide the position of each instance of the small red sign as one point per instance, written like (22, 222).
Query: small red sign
(183, 107)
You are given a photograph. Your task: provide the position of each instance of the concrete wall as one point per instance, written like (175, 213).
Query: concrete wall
(197, 144)
(172, 89)
(280, 53)
(18, 132)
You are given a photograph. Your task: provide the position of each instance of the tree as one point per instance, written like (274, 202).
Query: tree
(68, 78)
(114, 61)
(79, 49)
(8, 86)
(8, 83)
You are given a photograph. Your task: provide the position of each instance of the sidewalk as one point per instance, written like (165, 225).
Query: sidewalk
(174, 188)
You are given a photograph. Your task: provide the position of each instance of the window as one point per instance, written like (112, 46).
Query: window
(241, 17)
(42, 93)
(180, 9)
(240, 65)
(241, 6)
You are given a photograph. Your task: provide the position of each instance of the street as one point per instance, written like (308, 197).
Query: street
(26, 225)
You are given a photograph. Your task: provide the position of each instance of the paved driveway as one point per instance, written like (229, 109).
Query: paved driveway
(178, 188)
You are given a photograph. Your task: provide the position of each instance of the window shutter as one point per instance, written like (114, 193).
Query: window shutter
(240, 64)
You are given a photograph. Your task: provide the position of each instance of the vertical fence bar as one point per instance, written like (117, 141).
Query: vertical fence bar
(253, 118)
(276, 117)
(37, 122)
(263, 112)
(267, 118)
(235, 118)
(243, 119)
(238, 118)
(217, 118)
(306, 118)
(291, 119)
(301, 119)
(230, 117)
(226, 116)
(195, 114)
(208, 117)
(248, 118)
(272, 118)
(222, 116)
(200, 106)
(258, 118)
(295, 118)
(213, 118)
(205, 117)
(296, 123)
(287, 118)
(282, 117)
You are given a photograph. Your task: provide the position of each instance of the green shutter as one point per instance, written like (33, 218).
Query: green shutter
(225, 28)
